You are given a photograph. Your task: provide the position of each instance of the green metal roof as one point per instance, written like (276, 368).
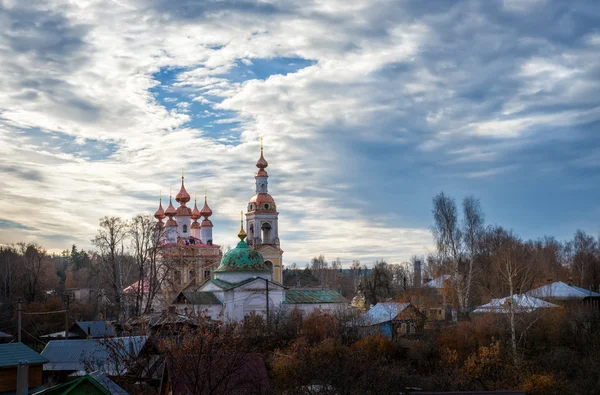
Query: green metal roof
(227, 285)
(12, 353)
(201, 298)
(313, 296)
(90, 384)
(242, 259)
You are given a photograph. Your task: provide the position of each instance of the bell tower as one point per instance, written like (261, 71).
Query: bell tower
(262, 221)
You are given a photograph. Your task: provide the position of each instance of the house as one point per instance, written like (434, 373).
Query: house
(11, 355)
(92, 329)
(157, 322)
(94, 383)
(84, 330)
(521, 304)
(111, 356)
(559, 292)
(392, 319)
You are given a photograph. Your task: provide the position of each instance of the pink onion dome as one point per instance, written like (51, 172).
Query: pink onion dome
(170, 211)
(160, 213)
(205, 211)
(196, 214)
(182, 196)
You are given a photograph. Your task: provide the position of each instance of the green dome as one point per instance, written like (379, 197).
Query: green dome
(242, 259)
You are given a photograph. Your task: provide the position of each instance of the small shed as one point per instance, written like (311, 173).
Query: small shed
(11, 355)
(392, 319)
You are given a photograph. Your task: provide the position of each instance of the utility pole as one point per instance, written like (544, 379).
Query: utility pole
(19, 309)
(267, 287)
(68, 299)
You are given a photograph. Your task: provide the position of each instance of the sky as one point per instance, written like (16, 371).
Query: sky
(368, 109)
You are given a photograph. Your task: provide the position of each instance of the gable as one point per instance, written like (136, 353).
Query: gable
(269, 249)
(257, 284)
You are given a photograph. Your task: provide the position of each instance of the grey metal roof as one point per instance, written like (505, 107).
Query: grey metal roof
(521, 304)
(60, 334)
(384, 312)
(77, 355)
(12, 353)
(201, 298)
(5, 335)
(561, 291)
(96, 328)
(313, 296)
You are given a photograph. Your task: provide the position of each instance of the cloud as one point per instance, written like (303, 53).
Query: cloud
(368, 109)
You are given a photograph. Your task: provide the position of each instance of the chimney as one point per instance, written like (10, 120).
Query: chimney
(22, 378)
(417, 273)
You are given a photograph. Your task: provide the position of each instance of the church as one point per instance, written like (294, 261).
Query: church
(246, 280)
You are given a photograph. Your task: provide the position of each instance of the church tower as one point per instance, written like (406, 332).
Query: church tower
(262, 222)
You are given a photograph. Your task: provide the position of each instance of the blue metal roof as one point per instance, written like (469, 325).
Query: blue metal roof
(74, 355)
(12, 353)
(96, 328)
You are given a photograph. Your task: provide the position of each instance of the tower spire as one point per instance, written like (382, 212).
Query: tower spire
(242, 234)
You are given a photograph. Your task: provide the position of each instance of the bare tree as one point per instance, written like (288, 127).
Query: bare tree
(472, 232)
(109, 241)
(141, 233)
(449, 241)
(34, 257)
(583, 255)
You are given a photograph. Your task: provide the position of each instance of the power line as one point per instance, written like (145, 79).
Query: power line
(45, 312)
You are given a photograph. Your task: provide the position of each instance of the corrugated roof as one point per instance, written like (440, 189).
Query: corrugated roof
(313, 296)
(384, 312)
(60, 334)
(522, 303)
(74, 355)
(201, 298)
(96, 328)
(12, 353)
(560, 290)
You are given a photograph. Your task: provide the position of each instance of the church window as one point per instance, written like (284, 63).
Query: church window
(207, 274)
(266, 206)
(184, 228)
(266, 233)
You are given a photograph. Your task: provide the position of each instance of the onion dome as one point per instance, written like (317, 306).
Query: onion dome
(170, 211)
(262, 201)
(205, 211)
(242, 258)
(262, 163)
(195, 212)
(182, 196)
(160, 213)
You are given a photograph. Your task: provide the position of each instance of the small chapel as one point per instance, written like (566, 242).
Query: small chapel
(246, 280)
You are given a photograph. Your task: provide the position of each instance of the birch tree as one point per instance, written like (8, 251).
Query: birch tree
(449, 241)
(472, 231)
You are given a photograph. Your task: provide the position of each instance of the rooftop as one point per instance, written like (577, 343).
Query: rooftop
(313, 296)
(12, 353)
(522, 303)
(560, 290)
(384, 312)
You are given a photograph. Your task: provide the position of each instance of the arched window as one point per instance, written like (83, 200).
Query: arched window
(266, 233)
(184, 228)
(269, 264)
